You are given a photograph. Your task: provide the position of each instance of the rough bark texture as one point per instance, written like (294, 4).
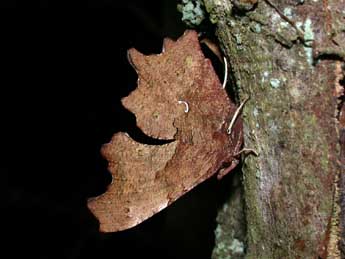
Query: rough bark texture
(292, 72)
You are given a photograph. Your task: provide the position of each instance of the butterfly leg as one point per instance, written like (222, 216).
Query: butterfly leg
(227, 170)
(235, 162)
(246, 151)
(236, 114)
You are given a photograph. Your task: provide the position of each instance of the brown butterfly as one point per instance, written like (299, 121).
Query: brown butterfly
(179, 97)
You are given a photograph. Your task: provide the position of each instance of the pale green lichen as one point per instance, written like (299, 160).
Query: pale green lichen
(308, 30)
(218, 232)
(192, 12)
(229, 249)
(308, 37)
(288, 12)
(257, 28)
(232, 23)
(284, 24)
(275, 83)
(275, 18)
(255, 112)
(258, 174)
(238, 39)
(264, 77)
(237, 247)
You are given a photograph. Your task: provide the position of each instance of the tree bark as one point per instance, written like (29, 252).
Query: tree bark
(288, 57)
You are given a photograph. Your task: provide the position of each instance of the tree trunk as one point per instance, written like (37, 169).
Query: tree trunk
(288, 57)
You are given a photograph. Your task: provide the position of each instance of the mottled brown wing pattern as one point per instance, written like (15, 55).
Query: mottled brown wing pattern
(179, 97)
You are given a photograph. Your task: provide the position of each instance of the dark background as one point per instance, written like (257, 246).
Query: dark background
(63, 72)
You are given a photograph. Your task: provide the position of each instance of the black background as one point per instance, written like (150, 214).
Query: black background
(63, 72)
